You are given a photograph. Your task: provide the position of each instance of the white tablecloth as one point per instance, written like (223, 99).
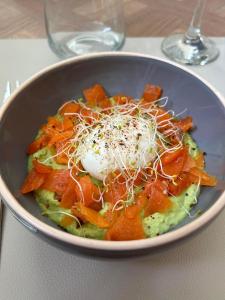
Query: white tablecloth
(32, 269)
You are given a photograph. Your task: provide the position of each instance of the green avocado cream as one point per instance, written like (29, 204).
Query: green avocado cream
(154, 225)
(50, 208)
(159, 223)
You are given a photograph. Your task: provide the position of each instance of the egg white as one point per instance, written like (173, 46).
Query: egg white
(119, 142)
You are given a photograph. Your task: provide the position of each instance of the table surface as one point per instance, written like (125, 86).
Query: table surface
(33, 269)
(25, 18)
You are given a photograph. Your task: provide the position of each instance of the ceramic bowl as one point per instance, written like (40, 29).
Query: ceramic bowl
(41, 96)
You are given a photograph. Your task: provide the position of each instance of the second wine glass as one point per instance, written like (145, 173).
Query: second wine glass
(192, 47)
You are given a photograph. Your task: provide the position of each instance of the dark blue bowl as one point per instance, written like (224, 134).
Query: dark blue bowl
(42, 95)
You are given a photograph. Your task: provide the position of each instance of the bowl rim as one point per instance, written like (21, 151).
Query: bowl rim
(103, 245)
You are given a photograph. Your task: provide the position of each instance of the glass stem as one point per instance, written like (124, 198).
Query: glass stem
(194, 30)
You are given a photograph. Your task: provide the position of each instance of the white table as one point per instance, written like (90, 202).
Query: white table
(32, 269)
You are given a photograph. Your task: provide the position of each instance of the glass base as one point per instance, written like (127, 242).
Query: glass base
(67, 45)
(189, 51)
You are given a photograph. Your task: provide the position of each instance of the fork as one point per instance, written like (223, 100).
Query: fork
(7, 93)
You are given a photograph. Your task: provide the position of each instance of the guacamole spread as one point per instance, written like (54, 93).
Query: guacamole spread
(154, 225)
(115, 168)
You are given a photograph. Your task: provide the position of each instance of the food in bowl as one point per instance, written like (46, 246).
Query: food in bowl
(116, 168)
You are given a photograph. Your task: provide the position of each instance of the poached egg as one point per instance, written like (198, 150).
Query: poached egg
(118, 142)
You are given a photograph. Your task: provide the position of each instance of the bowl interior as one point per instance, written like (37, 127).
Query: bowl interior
(118, 74)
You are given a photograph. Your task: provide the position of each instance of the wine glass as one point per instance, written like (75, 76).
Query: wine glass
(191, 48)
